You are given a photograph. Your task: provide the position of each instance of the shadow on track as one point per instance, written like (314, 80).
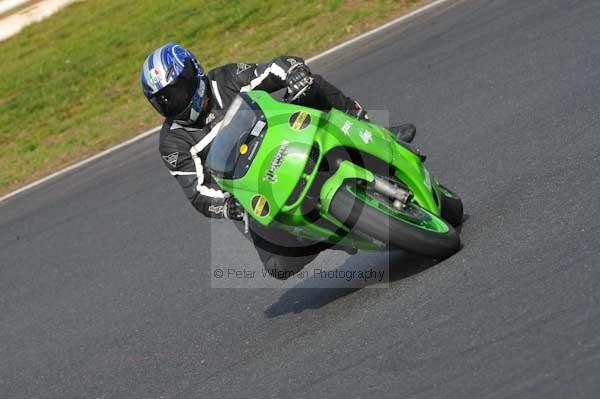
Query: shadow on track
(397, 265)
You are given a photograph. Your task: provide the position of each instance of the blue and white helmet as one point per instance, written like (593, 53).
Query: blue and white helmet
(174, 82)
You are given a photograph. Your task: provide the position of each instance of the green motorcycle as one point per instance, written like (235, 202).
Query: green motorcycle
(328, 177)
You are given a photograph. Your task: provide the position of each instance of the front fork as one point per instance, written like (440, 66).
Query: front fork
(400, 195)
(348, 170)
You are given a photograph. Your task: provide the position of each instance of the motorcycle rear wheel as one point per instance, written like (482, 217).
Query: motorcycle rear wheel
(452, 207)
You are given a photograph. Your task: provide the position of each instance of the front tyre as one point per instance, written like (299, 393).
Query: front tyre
(413, 229)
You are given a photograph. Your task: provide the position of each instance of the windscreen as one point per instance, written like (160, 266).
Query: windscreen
(238, 123)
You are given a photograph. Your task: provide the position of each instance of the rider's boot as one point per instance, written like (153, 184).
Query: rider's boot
(405, 132)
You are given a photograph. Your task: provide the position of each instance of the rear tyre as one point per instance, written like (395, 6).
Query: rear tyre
(452, 207)
(413, 229)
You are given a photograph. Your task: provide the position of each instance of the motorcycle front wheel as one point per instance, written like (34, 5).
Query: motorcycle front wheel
(412, 228)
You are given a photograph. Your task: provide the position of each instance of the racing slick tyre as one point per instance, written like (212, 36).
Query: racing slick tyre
(413, 228)
(452, 207)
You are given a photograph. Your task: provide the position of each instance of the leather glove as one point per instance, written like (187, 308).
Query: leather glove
(233, 210)
(298, 80)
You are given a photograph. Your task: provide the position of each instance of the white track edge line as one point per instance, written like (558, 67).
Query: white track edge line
(157, 128)
(378, 29)
(81, 163)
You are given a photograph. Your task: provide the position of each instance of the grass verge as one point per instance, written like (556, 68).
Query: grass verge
(70, 84)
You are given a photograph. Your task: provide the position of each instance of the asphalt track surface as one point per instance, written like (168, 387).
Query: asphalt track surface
(105, 277)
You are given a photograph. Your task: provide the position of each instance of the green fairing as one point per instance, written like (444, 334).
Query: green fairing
(279, 164)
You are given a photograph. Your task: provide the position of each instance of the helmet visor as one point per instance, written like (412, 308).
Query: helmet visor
(174, 98)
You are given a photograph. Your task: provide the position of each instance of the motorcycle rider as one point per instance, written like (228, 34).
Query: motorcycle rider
(194, 104)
